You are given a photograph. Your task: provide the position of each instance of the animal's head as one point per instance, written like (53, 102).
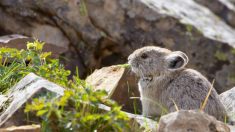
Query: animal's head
(151, 61)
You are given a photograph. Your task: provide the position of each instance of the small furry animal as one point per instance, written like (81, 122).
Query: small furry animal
(166, 83)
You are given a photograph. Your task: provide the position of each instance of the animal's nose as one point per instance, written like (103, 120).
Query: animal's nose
(129, 58)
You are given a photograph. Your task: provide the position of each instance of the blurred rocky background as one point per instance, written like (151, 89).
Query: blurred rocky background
(95, 33)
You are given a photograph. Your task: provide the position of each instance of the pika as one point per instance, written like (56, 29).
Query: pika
(165, 83)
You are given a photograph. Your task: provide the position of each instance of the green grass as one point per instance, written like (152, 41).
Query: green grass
(124, 65)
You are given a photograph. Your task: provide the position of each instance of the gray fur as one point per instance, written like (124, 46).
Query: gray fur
(164, 79)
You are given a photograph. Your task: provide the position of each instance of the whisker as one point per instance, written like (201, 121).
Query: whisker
(141, 70)
(142, 42)
(129, 70)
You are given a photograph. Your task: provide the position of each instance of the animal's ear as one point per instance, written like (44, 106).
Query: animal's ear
(176, 60)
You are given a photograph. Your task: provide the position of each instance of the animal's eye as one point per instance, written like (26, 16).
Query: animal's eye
(144, 56)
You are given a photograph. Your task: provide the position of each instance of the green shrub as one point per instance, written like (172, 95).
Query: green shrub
(15, 64)
(77, 110)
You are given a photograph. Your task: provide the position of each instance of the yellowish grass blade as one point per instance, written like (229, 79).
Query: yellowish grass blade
(176, 107)
(207, 97)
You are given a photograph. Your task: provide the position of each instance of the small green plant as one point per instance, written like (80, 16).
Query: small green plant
(15, 64)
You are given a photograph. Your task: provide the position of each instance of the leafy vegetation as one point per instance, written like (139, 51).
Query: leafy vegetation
(18, 63)
(77, 110)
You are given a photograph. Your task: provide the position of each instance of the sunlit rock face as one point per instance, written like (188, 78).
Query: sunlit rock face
(13, 103)
(105, 32)
(120, 84)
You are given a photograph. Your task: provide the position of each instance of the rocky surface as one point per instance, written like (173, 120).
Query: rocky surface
(12, 109)
(195, 121)
(228, 100)
(28, 128)
(145, 124)
(51, 35)
(224, 9)
(104, 32)
(120, 84)
(142, 123)
(232, 128)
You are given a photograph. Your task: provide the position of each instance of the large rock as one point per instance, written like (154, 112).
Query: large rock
(224, 9)
(105, 32)
(190, 121)
(12, 109)
(228, 100)
(51, 35)
(120, 84)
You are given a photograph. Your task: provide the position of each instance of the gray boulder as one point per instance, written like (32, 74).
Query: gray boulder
(228, 100)
(190, 121)
(224, 9)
